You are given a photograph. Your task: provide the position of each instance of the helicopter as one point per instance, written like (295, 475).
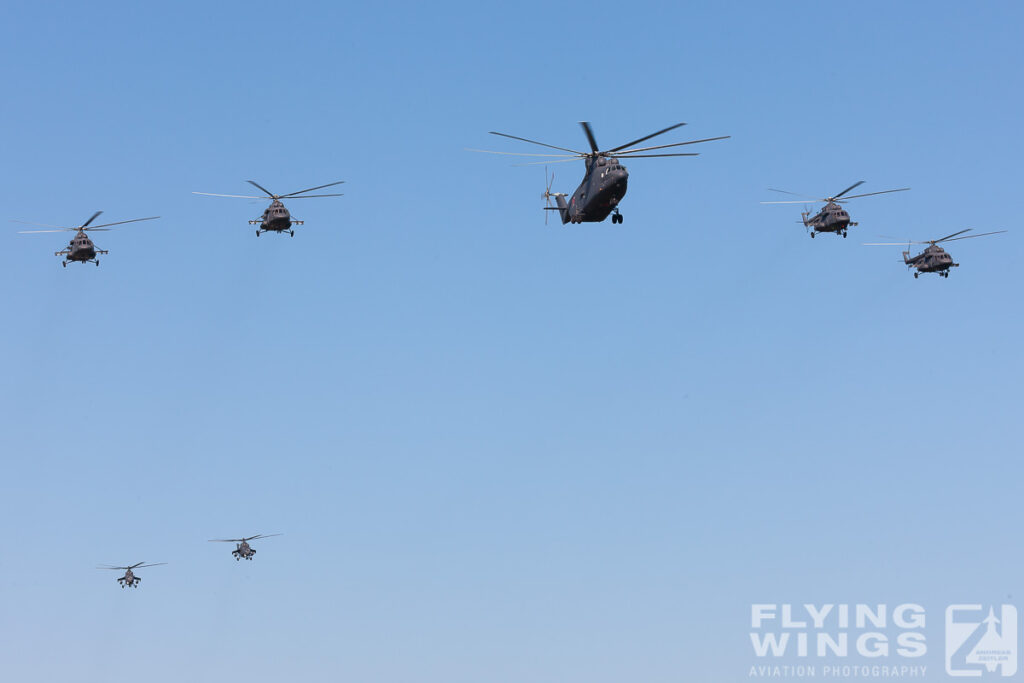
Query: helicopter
(81, 248)
(604, 183)
(832, 217)
(276, 217)
(129, 579)
(242, 549)
(934, 259)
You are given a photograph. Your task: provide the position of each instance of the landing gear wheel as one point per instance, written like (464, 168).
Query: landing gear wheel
(915, 275)
(812, 235)
(844, 234)
(97, 263)
(64, 263)
(291, 233)
(257, 232)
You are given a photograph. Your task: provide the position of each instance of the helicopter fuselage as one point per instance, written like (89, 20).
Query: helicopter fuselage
(243, 550)
(276, 218)
(129, 579)
(603, 187)
(832, 218)
(934, 259)
(80, 249)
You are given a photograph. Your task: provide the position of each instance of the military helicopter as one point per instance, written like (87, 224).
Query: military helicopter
(934, 259)
(833, 217)
(81, 248)
(243, 549)
(276, 217)
(604, 183)
(129, 579)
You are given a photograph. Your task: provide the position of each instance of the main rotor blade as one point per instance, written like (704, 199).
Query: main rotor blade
(42, 225)
(640, 156)
(239, 196)
(226, 540)
(646, 137)
(134, 220)
(796, 201)
(143, 565)
(253, 538)
(943, 239)
(859, 182)
(676, 144)
(269, 193)
(553, 161)
(519, 154)
(796, 194)
(107, 566)
(307, 196)
(91, 219)
(590, 136)
(856, 196)
(891, 244)
(968, 237)
(542, 144)
(32, 232)
(318, 187)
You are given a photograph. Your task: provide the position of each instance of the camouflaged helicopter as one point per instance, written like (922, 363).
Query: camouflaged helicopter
(604, 183)
(129, 579)
(242, 550)
(81, 248)
(276, 217)
(832, 217)
(934, 259)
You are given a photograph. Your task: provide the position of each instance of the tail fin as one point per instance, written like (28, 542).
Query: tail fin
(563, 208)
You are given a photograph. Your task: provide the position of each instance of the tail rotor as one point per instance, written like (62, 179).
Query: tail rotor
(548, 194)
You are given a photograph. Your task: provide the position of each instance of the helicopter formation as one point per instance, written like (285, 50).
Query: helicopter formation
(597, 197)
(132, 580)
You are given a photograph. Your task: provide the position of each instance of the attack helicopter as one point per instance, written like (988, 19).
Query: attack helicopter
(934, 259)
(276, 217)
(242, 550)
(832, 217)
(129, 579)
(604, 183)
(81, 248)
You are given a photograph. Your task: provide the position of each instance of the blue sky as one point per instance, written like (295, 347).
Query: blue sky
(498, 450)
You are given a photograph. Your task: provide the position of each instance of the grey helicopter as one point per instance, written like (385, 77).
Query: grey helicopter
(81, 248)
(242, 551)
(276, 217)
(604, 183)
(129, 579)
(832, 217)
(934, 259)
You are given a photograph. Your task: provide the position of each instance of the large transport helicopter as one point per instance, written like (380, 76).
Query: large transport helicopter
(604, 183)
(934, 259)
(276, 217)
(129, 579)
(832, 217)
(242, 551)
(81, 248)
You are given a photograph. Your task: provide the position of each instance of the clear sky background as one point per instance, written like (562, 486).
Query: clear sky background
(498, 450)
